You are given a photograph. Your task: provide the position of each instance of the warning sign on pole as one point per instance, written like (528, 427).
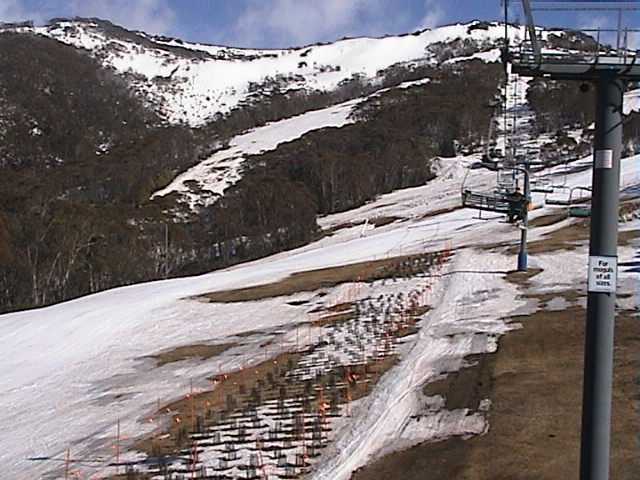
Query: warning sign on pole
(604, 158)
(603, 273)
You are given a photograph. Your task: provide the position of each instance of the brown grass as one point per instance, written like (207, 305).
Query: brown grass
(333, 319)
(201, 351)
(551, 219)
(629, 207)
(569, 237)
(534, 382)
(384, 220)
(322, 278)
(130, 476)
(523, 279)
(464, 388)
(441, 211)
(183, 412)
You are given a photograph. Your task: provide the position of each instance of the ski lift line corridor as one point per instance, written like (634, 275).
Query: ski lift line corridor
(609, 69)
(512, 168)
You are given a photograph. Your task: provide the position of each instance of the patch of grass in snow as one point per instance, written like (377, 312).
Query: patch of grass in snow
(464, 388)
(401, 266)
(185, 352)
(441, 211)
(237, 391)
(345, 312)
(568, 237)
(550, 219)
(275, 380)
(629, 208)
(342, 312)
(189, 413)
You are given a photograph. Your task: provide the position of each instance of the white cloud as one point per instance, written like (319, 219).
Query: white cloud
(295, 22)
(607, 22)
(434, 15)
(152, 16)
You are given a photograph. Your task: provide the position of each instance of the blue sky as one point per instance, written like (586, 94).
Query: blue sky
(260, 23)
(274, 23)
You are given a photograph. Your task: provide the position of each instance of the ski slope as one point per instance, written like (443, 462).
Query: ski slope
(70, 371)
(224, 168)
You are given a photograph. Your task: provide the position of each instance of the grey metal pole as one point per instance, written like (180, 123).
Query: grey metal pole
(522, 254)
(598, 357)
(618, 45)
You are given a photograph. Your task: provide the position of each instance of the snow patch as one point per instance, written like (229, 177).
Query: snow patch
(215, 174)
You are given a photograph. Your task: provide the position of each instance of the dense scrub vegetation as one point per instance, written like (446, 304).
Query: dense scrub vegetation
(80, 156)
(561, 104)
(398, 133)
(564, 105)
(335, 169)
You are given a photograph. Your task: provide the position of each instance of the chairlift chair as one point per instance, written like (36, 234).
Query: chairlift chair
(580, 211)
(498, 202)
(557, 201)
(503, 199)
(577, 207)
(506, 181)
(542, 185)
(583, 209)
(570, 200)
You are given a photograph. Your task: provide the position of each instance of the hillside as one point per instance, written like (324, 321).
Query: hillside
(96, 144)
(90, 147)
(193, 83)
(338, 314)
(139, 350)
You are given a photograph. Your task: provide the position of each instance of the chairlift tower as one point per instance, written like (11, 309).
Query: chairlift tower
(609, 68)
(506, 196)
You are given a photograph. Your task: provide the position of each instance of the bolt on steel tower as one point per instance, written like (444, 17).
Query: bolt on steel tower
(605, 60)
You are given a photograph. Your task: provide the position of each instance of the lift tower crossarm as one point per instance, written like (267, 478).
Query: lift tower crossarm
(532, 28)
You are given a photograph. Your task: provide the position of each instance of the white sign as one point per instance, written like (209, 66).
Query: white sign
(603, 273)
(604, 159)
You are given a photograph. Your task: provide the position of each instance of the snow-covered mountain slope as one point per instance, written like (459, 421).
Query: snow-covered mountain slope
(222, 169)
(192, 83)
(71, 371)
(214, 175)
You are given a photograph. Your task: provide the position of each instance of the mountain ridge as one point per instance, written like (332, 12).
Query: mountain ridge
(169, 77)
